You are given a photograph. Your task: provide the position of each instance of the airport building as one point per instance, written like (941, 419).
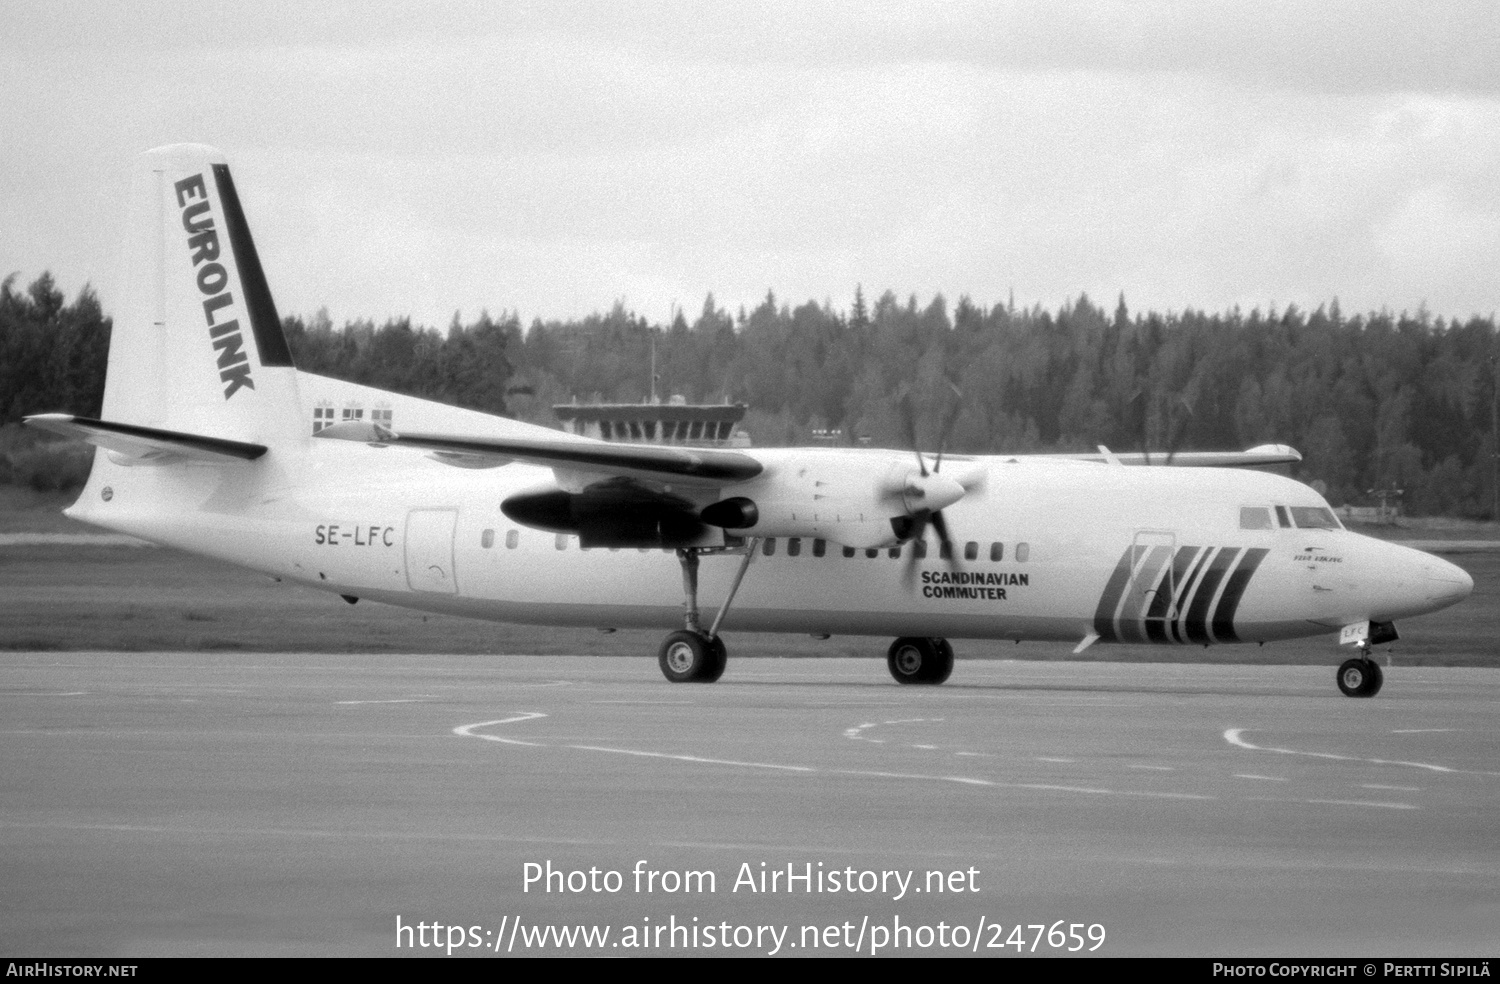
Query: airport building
(675, 422)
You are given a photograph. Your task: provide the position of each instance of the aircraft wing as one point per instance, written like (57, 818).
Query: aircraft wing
(1264, 454)
(679, 466)
(147, 444)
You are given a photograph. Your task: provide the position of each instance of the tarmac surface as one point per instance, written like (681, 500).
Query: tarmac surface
(246, 804)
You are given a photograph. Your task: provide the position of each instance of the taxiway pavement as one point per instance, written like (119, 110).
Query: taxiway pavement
(228, 804)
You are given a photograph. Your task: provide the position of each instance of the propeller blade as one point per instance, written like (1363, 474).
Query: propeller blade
(940, 526)
(1145, 426)
(918, 531)
(909, 425)
(949, 420)
(1175, 427)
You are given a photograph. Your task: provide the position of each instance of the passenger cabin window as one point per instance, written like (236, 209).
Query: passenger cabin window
(945, 552)
(919, 549)
(769, 547)
(1255, 518)
(1023, 552)
(820, 547)
(971, 550)
(512, 538)
(487, 539)
(562, 541)
(895, 552)
(848, 551)
(793, 546)
(997, 551)
(1314, 518)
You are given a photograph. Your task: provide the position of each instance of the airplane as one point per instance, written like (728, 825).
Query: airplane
(205, 444)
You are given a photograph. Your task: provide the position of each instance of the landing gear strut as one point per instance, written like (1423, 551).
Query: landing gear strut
(1361, 676)
(692, 655)
(918, 660)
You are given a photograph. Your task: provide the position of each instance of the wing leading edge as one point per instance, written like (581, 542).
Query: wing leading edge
(683, 466)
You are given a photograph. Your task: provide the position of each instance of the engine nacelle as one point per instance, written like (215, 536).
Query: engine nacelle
(851, 500)
(613, 513)
(846, 526)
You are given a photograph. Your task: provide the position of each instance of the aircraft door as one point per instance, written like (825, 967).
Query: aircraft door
(1154, 583)
(429, 550)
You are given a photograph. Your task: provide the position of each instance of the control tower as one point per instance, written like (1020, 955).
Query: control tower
(675, 422)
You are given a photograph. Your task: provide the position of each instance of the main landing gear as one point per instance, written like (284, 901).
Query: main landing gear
(692, 655)
(916, 660)
(1361, 676)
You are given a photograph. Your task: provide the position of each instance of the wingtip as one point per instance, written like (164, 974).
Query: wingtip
(1282, 450)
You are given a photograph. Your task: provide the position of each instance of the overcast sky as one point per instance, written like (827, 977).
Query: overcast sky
(552, 158)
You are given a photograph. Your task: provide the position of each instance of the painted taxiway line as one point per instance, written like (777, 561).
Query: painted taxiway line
(1336, 802)
(1235, 736)
(22, 693)
(473, 731)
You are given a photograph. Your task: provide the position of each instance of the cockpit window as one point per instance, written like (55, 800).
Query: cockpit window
(1255, 518)
(1314, 518)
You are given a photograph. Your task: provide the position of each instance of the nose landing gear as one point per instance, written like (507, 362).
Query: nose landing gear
(1361, 676)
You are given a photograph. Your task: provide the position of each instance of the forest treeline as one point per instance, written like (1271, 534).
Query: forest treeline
(1373, 401)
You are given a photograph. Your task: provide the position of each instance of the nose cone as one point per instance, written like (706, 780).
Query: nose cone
(1397, 581)
(1447, 584)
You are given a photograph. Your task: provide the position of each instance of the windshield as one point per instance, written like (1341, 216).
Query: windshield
(1314, 518)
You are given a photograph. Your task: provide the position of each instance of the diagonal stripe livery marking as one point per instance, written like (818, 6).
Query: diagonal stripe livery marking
(1223, 623)
(1166, 601)
(1132, 622)
(1203, 597)
(1197, 581)
(1185, 593)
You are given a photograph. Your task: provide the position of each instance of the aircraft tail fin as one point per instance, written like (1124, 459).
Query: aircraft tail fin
(197, 346)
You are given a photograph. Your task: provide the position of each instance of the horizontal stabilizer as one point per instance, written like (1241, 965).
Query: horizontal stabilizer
(685, 466)
(147, 444)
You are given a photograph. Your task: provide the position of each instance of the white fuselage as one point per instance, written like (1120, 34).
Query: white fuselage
(1061, 551)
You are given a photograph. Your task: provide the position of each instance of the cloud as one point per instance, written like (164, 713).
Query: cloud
(554, 157)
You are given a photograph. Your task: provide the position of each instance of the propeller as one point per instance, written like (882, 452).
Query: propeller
(1177, 412)
(927, 493)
